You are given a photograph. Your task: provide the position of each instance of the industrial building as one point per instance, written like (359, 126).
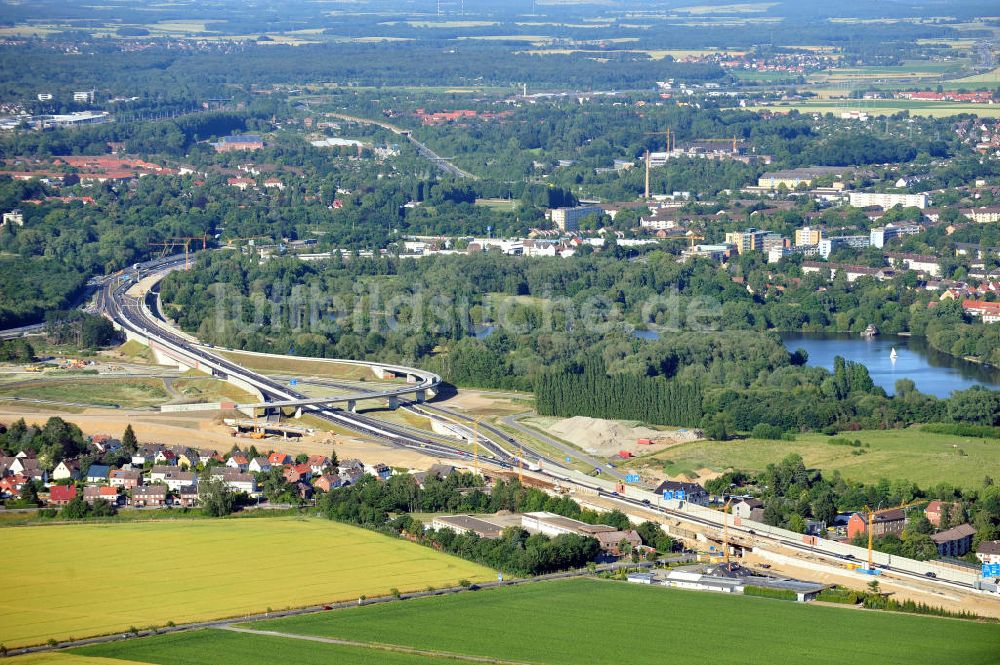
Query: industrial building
(467, 524)
(568, 219)
(727, 582)
(244, 142)
(886, 201)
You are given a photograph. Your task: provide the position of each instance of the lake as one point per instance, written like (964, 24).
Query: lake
(933, 372)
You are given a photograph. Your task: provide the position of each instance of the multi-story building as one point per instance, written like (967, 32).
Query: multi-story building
(568, 219)
(86, 97)
(808, 236)
(886, 201)
(880, 236)
(984, 215)
(828, 245)
(14, 218)
(753, 240)
(792, 178)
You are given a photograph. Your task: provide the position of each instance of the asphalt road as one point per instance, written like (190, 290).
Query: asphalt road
(570, 451)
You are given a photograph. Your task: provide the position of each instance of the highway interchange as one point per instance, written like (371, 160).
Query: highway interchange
(130, 313)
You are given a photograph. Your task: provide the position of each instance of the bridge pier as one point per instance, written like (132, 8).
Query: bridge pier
(393, 402)
(352, 406)
(412, 378)
(421, 396)
(298, 413)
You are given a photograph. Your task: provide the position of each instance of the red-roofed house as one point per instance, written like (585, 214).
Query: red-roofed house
(92, 493)
(989, 312)
(60, 495)
(278, 459)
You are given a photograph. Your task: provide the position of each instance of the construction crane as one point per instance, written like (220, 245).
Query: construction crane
(185, 242)
(692, 237)
(870, 515)
(671, 138)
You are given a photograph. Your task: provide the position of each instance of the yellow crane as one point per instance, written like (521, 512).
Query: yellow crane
(692, 237)
(671, 138)
(871, 536)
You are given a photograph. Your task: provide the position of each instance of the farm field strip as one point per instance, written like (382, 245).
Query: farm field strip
(279, 562)
(569, 622)
(221, 647)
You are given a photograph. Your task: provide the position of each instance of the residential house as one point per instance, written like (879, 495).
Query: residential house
(149, 495)
(351, 475)
(611, 541)
(989, 551)
(97, 473)
(104, 443)
(954, 542)
(258, 465)
(692, 492)
(291, 474)
(60, 495)
(28, 466)
(748, 509)
(66, 470)
(935, 509)
(125, 478)
(278, 459)
(236, 480)
(172, 476)
(146, 455)
(10, 486)
(318, 464)
(238, 461)
(303, 490)
(885, 522)
(187, 457)
(327, 482)
(187, 496)
(165, 456)
(206, 456)
(92, 493)
(989, 312)
(379, 470)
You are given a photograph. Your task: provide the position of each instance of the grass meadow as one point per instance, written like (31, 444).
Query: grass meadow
(91, 579)
(919, 457)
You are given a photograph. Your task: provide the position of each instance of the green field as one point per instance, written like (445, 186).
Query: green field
(300, 367)
(595, 621)
(111, 391)
(207, 647)
(888, 107)
(920, 457)
(80, 580)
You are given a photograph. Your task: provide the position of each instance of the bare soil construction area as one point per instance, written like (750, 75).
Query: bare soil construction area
(204, 431)
(606, 438)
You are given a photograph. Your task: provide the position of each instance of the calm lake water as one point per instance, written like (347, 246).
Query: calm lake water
(935, 373)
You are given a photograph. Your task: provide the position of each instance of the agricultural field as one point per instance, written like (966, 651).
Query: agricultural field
(919, 457)
(596, 621)
(888, 107)
(149, 573)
